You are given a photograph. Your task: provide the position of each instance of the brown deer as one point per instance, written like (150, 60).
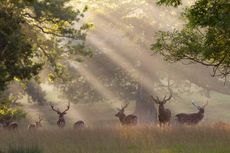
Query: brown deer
(61, 119)
(8, 124)
(36, 124)
(192, 118)
(164, 114)
(79, 125)
(12, 126)
(126, 120)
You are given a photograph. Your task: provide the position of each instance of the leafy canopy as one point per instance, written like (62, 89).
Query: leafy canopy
(205, 38)
(38, 33)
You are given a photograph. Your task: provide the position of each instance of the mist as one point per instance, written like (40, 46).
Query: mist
(124, 70)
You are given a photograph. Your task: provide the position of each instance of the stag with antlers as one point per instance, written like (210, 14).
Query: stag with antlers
(36, 124)
(193, 118)
(164, 114)
(61, 119)
(126, 120)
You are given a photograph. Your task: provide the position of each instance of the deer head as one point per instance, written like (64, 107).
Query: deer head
(58, 110)
(121, 111)
(200, 109)
(163, 101)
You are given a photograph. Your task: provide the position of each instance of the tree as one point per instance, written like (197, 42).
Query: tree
(204, 39)
(7, 112)
(39, 33)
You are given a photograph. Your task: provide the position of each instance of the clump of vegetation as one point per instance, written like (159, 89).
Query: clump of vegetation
(7, 112)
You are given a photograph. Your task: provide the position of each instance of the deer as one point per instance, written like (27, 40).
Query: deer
(192, 118)
(12, 126)
(9, 125)
(164, 114)
(61, 119)
(79, 125)
(36, 124)
(126, 119)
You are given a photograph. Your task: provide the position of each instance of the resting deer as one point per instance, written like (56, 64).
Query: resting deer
(7, 124)
(192, 118)
(126, 120)
(164, 114)
(61, 120)
(12, 126)
(37, 124)
(79, 125)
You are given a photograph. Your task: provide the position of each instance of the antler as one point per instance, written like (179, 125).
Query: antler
(67, 107)
(198, 107)
(52, 106)
(156, 100)
(123, 107)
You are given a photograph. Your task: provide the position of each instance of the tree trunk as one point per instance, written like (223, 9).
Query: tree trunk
(145, 108)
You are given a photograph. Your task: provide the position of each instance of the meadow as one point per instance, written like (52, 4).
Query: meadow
(140, 139)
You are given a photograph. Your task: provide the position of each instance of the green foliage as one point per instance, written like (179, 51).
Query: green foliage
(205, 39)
(7, 112)
(38, 33)
(173, 3)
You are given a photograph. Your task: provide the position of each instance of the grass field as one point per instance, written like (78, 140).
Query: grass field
(198, 139)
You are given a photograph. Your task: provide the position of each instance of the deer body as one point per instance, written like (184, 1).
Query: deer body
(35, 125)
(126, 120)
(11, 126)
(61, 119)
(192, 118)
(79, 125)
(164, 115)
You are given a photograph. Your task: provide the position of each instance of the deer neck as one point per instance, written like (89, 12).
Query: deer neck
(122, 117)
(201, 114)
(161, 108)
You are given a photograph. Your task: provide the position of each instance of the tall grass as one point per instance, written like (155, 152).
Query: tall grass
(142, 139)
(24, 149)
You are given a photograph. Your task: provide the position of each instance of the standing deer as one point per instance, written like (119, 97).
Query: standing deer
(126, 120)
(192, 118)
(36, 125)
(164, 114)
(61, 120)
(79, 125)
